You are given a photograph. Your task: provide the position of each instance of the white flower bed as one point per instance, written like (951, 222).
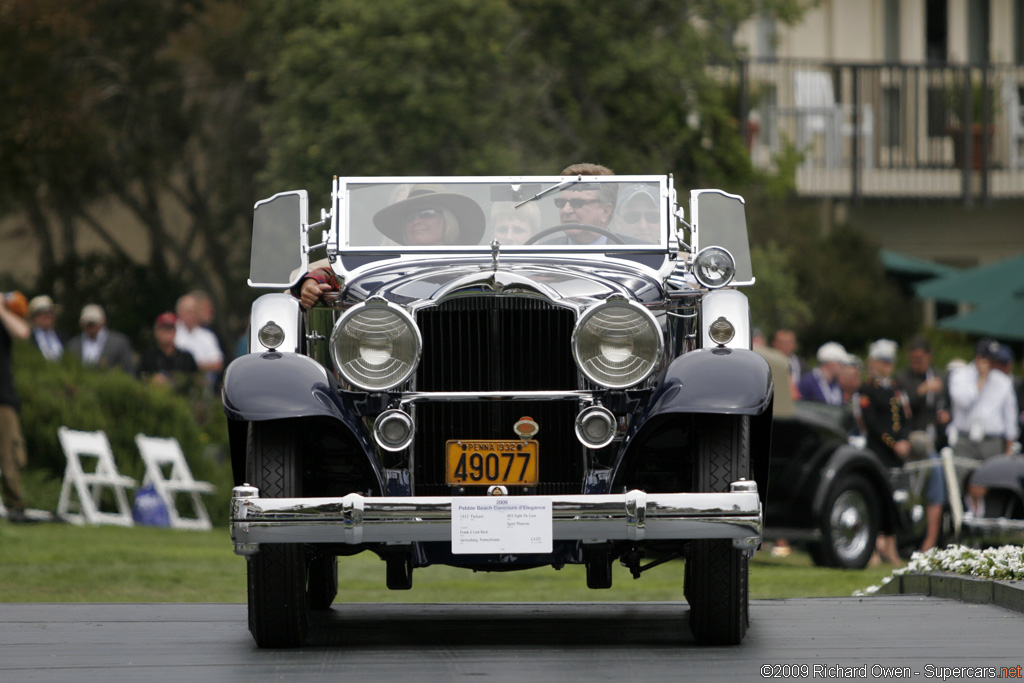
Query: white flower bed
(1000, 564)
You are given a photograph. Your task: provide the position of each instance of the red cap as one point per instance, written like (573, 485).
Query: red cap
(166, 320)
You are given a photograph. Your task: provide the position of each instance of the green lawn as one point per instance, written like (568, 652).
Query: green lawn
(65, 563)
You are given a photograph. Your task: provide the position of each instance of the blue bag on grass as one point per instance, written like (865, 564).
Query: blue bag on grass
(149, 509)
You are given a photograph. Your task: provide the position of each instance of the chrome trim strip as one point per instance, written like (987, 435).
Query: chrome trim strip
(355, 519)
(417, 396)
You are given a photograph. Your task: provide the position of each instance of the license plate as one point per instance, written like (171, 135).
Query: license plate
(483, 462)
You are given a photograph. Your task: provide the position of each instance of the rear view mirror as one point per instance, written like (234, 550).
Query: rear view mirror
(719, 219)
(279, 240)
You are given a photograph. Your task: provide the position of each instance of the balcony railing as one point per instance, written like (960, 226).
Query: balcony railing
(888, 130)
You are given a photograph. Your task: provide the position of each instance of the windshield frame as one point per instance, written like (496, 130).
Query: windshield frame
(346, 202)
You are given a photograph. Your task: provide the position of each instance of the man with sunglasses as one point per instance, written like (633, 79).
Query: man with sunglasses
(588, 204)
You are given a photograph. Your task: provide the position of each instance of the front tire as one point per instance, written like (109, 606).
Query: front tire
(278, 604)
(716, 580)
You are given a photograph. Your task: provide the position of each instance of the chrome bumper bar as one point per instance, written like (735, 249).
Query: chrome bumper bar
(635, 516)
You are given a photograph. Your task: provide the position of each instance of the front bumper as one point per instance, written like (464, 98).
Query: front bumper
(633, 516)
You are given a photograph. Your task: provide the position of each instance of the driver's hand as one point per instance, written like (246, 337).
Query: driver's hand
(311, 293)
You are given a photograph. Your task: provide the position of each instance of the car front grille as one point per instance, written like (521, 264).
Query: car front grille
(497, 343)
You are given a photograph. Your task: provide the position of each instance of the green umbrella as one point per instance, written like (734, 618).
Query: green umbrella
(977, 285)
(1001, 317)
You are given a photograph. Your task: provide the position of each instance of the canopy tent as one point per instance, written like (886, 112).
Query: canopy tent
(981, 285)
(914, 268)
(1001, 317)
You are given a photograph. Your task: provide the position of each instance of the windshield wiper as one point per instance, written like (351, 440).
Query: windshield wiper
(553, 188)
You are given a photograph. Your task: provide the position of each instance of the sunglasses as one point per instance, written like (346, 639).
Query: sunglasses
(423, 214)
(575, 203)
(635, 216)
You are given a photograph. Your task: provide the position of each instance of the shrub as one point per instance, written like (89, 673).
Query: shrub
(67, 394)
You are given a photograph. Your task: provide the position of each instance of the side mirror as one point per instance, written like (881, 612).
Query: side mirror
(718, 219)
(280, 248)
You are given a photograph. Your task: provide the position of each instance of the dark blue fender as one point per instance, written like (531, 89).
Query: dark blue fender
(725, 381)
(851, 460)
(716, 381)
(280, 386)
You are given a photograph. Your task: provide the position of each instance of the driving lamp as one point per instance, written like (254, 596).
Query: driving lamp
(376, 345)
(721, 331)
(271, 335)
(595, 427)
(617, 343)
(393, 430)
(714, 267)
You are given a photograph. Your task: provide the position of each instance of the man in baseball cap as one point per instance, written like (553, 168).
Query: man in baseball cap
(164, 363)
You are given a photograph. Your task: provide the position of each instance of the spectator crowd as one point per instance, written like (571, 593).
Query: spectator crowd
(974, 406)
(185, 356)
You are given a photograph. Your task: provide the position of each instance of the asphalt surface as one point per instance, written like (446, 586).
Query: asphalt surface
(814, 639)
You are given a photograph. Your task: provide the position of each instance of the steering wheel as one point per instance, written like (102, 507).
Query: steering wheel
(563, 227)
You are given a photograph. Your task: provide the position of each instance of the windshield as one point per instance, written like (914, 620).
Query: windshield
(609, 213)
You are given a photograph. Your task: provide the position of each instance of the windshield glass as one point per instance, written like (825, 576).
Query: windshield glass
(619, 213)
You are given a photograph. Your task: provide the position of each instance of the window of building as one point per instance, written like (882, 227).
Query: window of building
(891, 26)
(977, 31)
(1018, 32)
(936, 36)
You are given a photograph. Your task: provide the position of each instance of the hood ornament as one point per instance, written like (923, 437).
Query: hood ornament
(495, 252)
(526, 428)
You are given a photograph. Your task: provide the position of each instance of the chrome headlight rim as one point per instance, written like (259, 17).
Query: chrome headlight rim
(602, 414)
(341, 364)
(271, 335)
(393, 414)
(710, 254)
(634, 307)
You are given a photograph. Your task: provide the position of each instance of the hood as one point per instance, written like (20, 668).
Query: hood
(419, 283)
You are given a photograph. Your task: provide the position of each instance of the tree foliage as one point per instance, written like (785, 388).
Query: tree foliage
(114, 106)
(184, 112)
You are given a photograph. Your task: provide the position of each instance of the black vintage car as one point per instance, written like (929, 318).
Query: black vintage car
(833, 496)
(504, 373)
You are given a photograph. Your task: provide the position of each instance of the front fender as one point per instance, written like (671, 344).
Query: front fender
(274, 385)
(278, 386)
(726, 381)
(717, 381)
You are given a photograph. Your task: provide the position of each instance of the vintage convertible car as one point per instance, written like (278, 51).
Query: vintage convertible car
(833, 496)
(507, 373)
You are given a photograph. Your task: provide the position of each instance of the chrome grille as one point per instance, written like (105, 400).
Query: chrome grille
(496, 343)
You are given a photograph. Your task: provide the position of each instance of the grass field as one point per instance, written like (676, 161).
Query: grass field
(64, 563)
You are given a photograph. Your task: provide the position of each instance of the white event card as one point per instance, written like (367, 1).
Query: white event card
(498, 525)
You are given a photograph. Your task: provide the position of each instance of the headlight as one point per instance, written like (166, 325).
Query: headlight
(714, 267)
(375, 345)
(617, 343)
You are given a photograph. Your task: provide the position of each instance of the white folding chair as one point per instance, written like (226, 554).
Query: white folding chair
(84, 485)
(818, 113)
(168, 472)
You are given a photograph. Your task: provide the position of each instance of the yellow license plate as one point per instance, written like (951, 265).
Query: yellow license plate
(484, 462)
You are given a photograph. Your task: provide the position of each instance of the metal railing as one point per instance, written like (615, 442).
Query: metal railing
(887, 130)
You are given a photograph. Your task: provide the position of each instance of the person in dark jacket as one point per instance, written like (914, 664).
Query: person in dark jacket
(164, 363)
(42, 313)
(883, 412)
